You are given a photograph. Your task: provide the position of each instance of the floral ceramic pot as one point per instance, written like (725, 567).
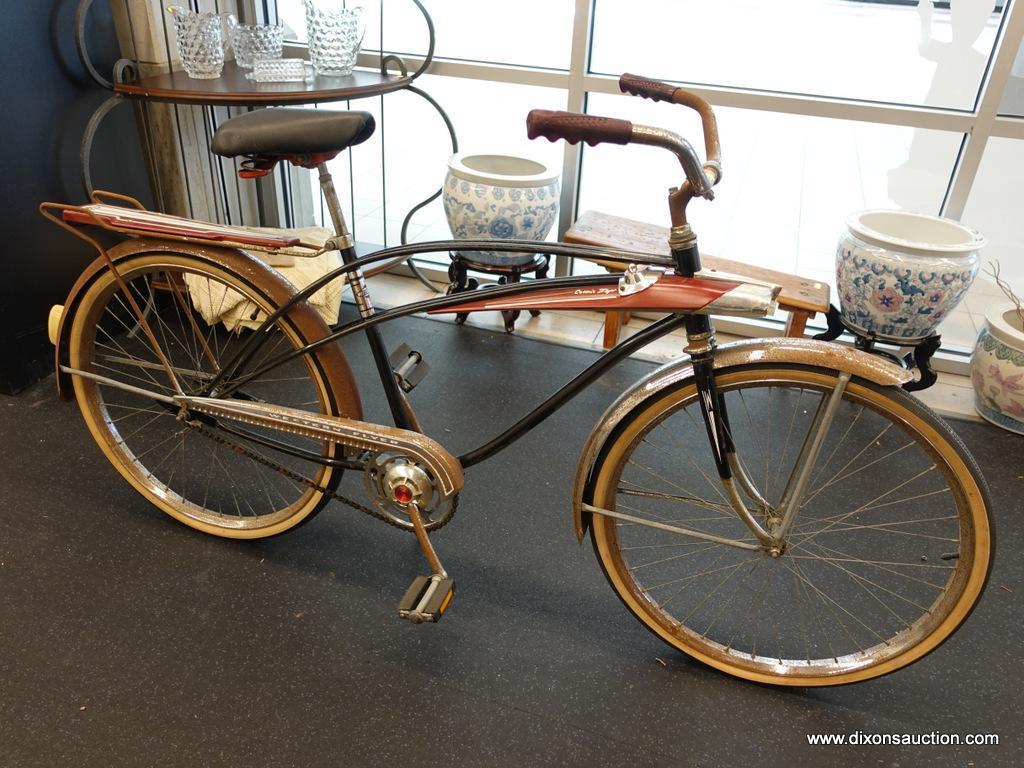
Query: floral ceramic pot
(997, 369)
(898, 274)
(493, 197)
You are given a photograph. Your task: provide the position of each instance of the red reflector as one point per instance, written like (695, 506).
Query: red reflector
(403, 494)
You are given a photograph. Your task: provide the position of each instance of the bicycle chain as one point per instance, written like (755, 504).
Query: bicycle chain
(290, 474)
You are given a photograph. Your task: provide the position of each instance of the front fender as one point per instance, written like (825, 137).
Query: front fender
(799, 351)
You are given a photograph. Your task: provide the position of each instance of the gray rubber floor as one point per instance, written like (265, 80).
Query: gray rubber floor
(127, 639)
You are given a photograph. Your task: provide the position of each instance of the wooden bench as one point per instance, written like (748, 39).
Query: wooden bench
(801, 297)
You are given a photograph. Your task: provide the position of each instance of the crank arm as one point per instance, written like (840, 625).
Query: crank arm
(428, 596)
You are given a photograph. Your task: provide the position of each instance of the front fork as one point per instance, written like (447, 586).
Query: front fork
(700, 337)
(778, 520)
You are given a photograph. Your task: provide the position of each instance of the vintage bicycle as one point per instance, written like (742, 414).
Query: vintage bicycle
(780, 509)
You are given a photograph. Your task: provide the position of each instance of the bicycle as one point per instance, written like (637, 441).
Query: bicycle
(831, 530)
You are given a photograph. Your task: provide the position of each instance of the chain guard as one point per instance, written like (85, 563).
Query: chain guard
(393, 520)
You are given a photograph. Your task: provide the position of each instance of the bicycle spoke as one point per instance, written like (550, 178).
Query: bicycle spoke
(834, 602)
(754, 566)
(661, 450)
(693, 500)
(869, 503)
(843, 557)
(674, 557)
(201, 479)
(864, 582)
(822, 629)
(789, 435)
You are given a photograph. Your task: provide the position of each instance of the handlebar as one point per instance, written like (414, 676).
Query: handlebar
(700, 177)
(646, 88)
(658, 91)
(572, 127)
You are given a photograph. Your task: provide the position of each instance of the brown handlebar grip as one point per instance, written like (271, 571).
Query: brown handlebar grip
(572, 127)
(647, 88)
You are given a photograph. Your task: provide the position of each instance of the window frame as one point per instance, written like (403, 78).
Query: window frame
(976, 126)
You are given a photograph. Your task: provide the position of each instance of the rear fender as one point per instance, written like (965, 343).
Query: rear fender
(330, 357)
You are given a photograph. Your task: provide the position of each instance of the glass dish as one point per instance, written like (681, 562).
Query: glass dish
(281, 71)
(256, 42)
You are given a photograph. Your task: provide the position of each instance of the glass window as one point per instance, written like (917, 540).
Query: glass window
(1013, 97)
(928, 53)
(789, 181)
(535, 33)
(415, 144)
(993, 208)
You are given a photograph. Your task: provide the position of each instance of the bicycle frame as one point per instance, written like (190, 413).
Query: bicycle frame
(688, 296)
(689, 299)
(670, 293)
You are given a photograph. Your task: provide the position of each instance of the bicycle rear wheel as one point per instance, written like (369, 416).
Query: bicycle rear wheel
(222, 479)
(889, 553)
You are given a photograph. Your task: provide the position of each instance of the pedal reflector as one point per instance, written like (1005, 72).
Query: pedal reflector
(426, 599)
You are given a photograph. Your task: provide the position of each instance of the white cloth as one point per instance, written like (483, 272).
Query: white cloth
(215, 302)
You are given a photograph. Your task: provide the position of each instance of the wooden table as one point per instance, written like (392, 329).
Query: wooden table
(800, 297)
(234, 88)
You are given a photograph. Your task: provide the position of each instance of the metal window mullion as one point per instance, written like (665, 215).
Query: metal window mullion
(814, 106)
(1008, 127)
(575, 101)
(911, 116)
(473, 70)
(991, 96)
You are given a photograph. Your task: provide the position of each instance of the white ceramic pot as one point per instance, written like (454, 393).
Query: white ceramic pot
(499, 197)
(997, 369)
(898, 273)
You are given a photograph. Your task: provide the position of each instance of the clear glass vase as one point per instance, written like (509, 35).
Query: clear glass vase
(335, 34)
(203, 39)
(257, 42)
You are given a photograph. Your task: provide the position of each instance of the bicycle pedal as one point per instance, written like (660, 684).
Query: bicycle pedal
(408, 366)
(426, 599)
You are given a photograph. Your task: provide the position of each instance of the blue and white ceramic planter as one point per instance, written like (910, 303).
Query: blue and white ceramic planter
(997, 369)
(898, 273)
(499, 197)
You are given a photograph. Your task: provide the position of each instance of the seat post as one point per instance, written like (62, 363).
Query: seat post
(345, 244)
(395, 397)
(334, 206)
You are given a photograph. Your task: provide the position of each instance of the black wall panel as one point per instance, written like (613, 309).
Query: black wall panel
(46, 99)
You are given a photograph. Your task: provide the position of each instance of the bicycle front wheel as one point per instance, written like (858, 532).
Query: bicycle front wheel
(888, 554)
(229, 480)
